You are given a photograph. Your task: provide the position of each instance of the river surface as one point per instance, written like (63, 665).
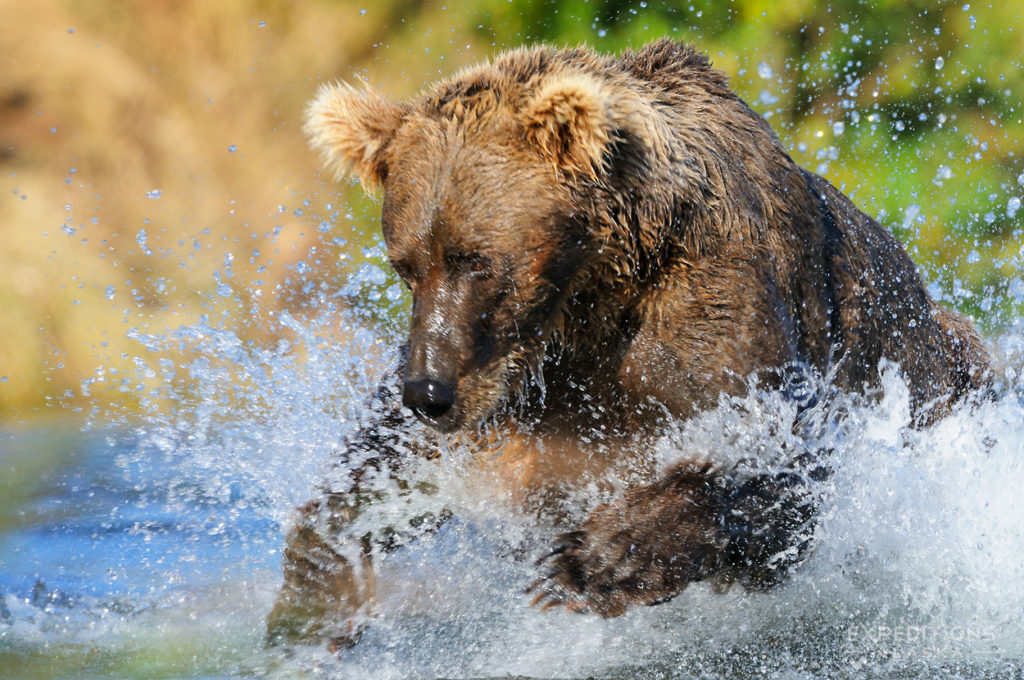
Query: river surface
(150, 547)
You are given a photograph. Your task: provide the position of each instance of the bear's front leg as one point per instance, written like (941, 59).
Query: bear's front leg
(329, 581)
(693, 524)
(323, 590)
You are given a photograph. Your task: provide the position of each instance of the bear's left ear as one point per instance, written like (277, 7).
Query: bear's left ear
(569, 121)
(351, 128)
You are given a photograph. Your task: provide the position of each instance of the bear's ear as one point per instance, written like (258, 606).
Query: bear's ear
(569, 121)
(351, 129)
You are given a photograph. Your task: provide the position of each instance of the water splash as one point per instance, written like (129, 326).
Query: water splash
(916, 567)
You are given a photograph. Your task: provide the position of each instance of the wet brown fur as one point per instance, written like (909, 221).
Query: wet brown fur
(633, 230)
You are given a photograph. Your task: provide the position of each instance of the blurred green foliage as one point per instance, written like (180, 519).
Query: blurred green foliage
(913, 108)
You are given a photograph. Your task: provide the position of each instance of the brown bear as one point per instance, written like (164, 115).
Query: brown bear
(597, 247)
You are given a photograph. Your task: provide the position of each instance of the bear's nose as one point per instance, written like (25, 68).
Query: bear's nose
(428, 398)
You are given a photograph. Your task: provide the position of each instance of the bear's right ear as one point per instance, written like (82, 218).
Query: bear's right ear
(351, 129)
(569, 120)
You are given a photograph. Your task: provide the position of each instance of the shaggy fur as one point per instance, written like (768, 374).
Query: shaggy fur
(632, 230)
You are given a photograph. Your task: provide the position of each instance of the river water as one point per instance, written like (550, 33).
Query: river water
(150, 546)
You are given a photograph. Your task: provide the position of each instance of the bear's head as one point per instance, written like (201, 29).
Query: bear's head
(486, 180)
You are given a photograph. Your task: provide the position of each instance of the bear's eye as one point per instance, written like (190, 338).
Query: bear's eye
(403, 270)
(473, 264)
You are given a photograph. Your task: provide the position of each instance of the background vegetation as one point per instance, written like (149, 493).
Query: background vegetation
(153, 174)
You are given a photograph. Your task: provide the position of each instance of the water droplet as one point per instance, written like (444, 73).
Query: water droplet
(362, 12)
(1016, 290)
(262, 24)
(1012, 206)
(140, 238)
(110, 292)
(1020, 179)
(71, 29)
(764, 70)
(910, 215)
(939, 63)
(838, 128)
(973, 257)
(67, 229)
(154, 193)
(232, 148)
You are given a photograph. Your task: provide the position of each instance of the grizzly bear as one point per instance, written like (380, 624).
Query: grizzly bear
(598, 247)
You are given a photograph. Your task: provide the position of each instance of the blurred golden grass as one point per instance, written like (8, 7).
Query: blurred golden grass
(104, 103)
(101, 103)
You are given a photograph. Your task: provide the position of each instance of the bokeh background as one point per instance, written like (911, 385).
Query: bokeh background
(153, 172)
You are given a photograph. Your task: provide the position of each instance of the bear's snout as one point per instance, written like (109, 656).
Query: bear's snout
(431, 400)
